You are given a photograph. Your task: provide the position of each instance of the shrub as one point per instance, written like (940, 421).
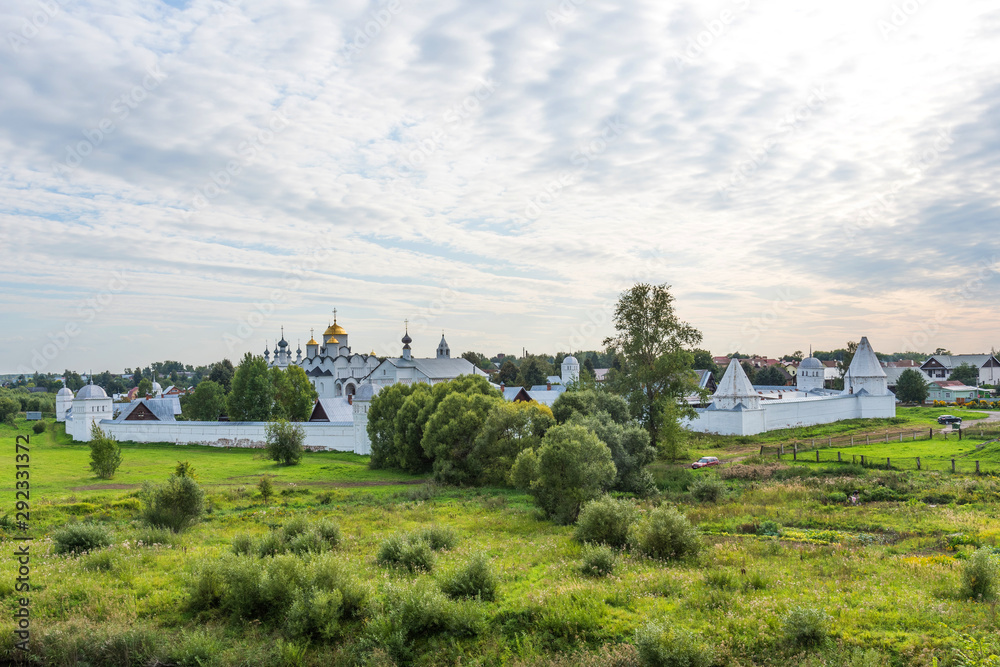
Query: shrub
(474, 580)
(324, 498)
(243, 544)
(38, 427)
(724, 580)
(184, 469)
(598, 561)
(176, 505)
(284, 442)
(297, 526)
(708, 490)
(270, 544)
(266, 488)
(981, 576)
(401, 551)
(806, 626)
(662, 646)
(80, 537)
(606, 521)
(771, 528)
(438, 537)
(571, 467)
(879, 494)
(666, 534)
(838, 497)
(329, 532)
(105, 453)
(309, 542)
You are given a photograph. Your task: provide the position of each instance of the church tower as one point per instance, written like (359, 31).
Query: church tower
(443, 352)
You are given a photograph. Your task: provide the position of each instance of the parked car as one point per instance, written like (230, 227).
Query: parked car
(949, 419)
(705, 461)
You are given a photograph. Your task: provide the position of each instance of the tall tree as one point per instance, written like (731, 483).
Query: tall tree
(508, 372)
(770, 376)
(652, 344)
(533, 371)
(300, 395)
(222, 373)
(911, 387)
(847, 357)
(382, 424)
(206, 403)
(703, 360)
(251, 398)
(967, 374)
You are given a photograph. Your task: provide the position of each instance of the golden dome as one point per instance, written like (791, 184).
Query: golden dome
(332, 340)
(335, 330)
(312, 341)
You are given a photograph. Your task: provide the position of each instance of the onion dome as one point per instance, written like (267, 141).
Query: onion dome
(282, 343)
(406, 338)
(92, 391)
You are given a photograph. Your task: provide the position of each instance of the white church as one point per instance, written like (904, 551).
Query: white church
(739, 408)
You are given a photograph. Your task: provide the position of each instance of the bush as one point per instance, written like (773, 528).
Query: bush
(284, 442)
(176, 505)
(666, 534)
(806, 626)
(662, 646)
(105, 453)
(402, 551)
(80, 537)
(38, 427)
(771, 528)
(708, 490)
(297, 526)
(438, 537)
(475, 580)
(329, 532)
(606, 521)
(571, 467)
(598, 561)
(184, 469)
(243, 544)
(266, 488)
(981, 576)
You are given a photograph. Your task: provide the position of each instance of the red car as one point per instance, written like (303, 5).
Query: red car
(705, 461)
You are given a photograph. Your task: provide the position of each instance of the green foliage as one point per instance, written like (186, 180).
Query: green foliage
(176, 505)
(265, 488)
(598, 560)
(38, 427)
(451, 432)
(590, 402)
(911, 387)
(507, 375)
(770, 376)
(666, 534)
(295, 394)
(207, 402)
(408, 430)
(509, 429)
(406, 552)
(708, 489)
(981, 576)
(769, 528)
(105, 453)
(532, 371)
(382, 424)
(185, 469)
(606, 521)
(806, 626)
(145, 388)
(663, 645)
(284, 442)
(652, 344)
(630, 450)
(967, 374)
(438, 537)
(475, 579)
(571, 467)
(251, 398)
(80, 537)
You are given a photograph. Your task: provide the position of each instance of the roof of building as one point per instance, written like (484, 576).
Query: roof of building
(554, 379)
(544, 396)
(444, 368)
(89, 391)
(366, 391)
(954, 385)
(65, 391)
(811, 362)
(601, 373)
(704, 378)
(334, 410)
(570, 359)
(162, 410)
(735, 382)
(865, 363)
(956, 360)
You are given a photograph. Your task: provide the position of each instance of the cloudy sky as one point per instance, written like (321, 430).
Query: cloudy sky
(180, 179)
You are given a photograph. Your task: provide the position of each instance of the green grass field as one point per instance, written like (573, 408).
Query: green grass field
(886, 572)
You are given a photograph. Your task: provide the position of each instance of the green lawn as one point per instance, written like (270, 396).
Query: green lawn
(887, 573)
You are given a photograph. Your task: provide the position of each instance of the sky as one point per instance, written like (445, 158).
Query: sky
(180, 180)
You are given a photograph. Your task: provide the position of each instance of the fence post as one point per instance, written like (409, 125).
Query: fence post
(853, 459)
(868, 439)
(838, 458)
(887, 437)
(762, 450)
(814, 443)
(930, 433)
(959, 432)
(918, 463)
(953, 465)
(852, 441)
(817, 458)
(862, 459)
(901, 436)
(888, 463)
(829, 442)
(795, 452)
(977, 467)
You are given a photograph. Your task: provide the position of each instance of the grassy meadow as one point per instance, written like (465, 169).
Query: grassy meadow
(882, 579)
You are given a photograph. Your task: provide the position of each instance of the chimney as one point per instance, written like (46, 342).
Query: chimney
(502, 387)
(548, 386)
(350, 399)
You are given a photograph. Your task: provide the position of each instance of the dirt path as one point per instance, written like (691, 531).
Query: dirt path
(337, 485)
